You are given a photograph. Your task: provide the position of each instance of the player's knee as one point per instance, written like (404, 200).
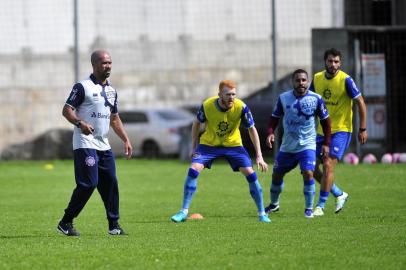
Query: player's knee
(329, 162)
(307, 175)
(197, 167)
(86, 187)
(277, 179)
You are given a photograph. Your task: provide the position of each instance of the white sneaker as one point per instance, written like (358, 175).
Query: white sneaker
(318, 211)
(340, 201)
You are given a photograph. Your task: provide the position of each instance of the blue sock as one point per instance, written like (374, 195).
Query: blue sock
(276, 190)
(256, 192)
(336, 191)
(309, 190)
(323, 196)
(189, 188)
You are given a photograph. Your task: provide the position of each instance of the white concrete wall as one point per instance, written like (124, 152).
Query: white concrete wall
(169, 53)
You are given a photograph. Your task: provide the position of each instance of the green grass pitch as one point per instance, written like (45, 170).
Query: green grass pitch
(370, 233)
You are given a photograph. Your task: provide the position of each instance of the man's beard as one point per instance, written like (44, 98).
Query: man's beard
(331, 71)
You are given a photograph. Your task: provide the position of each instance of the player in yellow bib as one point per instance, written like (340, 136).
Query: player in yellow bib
(222, 116)
(339, 91)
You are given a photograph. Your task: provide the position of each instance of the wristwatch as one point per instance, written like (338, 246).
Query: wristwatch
(78, 123)
(362, 129)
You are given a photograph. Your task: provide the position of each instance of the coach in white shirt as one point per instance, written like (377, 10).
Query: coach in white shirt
(92, 108)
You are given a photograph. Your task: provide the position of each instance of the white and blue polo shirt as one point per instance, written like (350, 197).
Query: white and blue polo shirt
(94, 103)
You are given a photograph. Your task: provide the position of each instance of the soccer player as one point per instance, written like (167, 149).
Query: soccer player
(222, 116)
(299, 108)
(338, 91)
(92, 107)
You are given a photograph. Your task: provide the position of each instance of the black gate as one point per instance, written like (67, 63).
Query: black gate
(389, 41)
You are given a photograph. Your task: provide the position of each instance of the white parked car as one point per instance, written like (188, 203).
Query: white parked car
(153, 131)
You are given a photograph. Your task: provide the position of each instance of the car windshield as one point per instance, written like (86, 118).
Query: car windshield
(174, 115)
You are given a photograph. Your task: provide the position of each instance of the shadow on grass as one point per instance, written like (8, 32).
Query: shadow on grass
(25, 236)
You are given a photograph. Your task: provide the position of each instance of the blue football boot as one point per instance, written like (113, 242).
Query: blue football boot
(264, 218)
(179, 217)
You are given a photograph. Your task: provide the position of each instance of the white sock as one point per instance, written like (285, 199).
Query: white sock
(261, 213)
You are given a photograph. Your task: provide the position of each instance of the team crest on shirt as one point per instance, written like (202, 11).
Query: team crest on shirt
(109, 95)
(306, 106)
(327, 93)
(90, 161)
(222, 129)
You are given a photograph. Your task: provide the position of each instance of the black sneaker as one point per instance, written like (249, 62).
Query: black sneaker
(67, 229)
(272, 208)
(115, 229)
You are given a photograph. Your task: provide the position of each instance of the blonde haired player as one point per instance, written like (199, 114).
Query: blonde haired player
(222, 116)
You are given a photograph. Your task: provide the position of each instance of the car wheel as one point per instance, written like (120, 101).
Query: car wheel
(150, 149)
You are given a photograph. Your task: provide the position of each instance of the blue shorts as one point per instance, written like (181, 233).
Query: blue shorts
(93, 166)
(286, 162)
(236, 156)
(339, 144)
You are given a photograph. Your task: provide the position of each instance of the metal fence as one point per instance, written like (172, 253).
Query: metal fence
(165, 53)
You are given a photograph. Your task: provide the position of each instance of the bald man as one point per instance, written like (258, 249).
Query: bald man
(92, 108)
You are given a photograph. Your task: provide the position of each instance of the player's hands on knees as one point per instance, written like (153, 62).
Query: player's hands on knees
(270, 140)
(262, 166)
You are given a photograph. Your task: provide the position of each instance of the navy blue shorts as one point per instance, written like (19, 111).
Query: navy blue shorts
(91, 164)
(339, 144)
(286, 162)
(236, 156)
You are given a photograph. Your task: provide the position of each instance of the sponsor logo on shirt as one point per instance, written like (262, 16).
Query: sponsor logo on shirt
(100, 115)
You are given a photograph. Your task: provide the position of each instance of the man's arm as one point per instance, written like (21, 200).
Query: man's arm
(195, 134)
(272, 124)
(69, 113)
(326, 126)
(253, 133)
(117, 125)
(362, 131)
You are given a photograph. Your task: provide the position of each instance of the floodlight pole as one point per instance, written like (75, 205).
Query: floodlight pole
(76, 40)
(357, 65)
(273, 37)
(274, 64)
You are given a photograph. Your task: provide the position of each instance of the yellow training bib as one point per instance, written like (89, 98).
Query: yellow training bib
(222, 127)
